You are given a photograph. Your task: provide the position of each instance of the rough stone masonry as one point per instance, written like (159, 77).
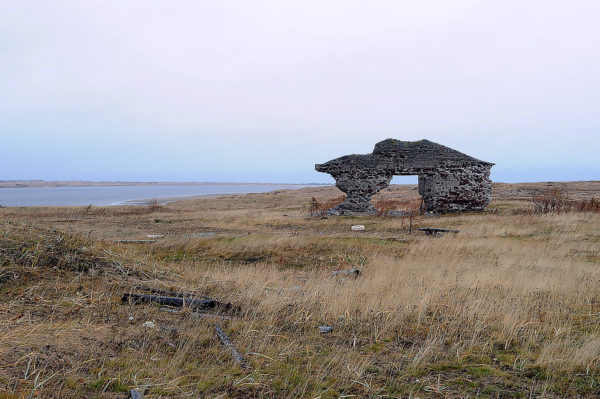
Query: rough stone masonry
(449, 181)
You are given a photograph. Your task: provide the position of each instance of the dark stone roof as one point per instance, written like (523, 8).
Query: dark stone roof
(418, 149)
(396, 155)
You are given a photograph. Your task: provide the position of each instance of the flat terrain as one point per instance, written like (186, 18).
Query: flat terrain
(81, 183)
(507, 307)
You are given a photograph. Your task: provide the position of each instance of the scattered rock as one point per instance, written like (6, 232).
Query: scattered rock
(149, 324)
(135, 394)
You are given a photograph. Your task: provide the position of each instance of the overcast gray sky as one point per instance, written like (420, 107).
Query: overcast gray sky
(262, 90)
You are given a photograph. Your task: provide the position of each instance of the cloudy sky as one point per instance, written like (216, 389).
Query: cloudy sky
(258, 90)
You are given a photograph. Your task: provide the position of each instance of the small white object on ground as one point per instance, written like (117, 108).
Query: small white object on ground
(154, 235)
(149, 324)
(130, 318)
(325, 329)
(357, 227)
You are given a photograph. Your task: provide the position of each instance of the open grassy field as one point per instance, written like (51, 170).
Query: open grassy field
(507, 307)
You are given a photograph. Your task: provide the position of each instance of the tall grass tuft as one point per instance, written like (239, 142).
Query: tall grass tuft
(409, 210)
(318, 208)
(556, 200)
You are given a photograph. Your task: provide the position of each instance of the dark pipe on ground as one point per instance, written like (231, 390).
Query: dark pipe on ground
(177, 302)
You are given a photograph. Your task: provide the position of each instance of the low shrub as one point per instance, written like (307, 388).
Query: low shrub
(317, 207)
(410, 211)
(556, 200)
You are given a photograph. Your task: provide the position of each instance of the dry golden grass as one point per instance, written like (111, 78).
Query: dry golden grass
(508, 307)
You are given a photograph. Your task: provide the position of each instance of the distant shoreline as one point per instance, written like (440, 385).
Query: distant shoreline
(167, 200)
(82, 183)
(126, 194)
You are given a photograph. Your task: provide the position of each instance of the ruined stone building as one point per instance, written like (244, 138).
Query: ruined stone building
(449, 181)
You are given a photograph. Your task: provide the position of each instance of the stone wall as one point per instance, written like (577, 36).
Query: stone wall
(449, 180)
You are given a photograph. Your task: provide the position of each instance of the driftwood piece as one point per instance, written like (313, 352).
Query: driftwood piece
(135, 394)
(227, 342)
(164, 292)
(349, 273)
(178, 302)
(435, 231)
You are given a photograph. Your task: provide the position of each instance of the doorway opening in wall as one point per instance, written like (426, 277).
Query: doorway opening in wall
(401, 187)
(400, 198)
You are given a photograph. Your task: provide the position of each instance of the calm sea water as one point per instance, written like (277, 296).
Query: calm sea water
(120, 195)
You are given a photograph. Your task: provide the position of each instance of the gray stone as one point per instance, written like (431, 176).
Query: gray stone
(449, 181)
